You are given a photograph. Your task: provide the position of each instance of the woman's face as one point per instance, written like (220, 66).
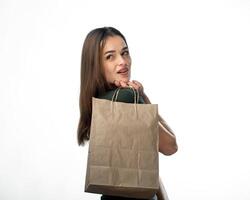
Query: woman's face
(116, 60)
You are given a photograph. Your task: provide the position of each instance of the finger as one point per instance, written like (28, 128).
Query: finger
(141, 89)
(123, 84)
(117, 83)
(137, 83)
(135, 86)
(139, 86)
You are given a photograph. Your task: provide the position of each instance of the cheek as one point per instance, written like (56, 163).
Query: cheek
(129, 61)
(109, 71)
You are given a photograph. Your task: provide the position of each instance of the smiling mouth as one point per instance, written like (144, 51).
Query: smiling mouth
(123, 71)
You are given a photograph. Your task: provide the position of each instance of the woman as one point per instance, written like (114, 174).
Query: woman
(106, 65)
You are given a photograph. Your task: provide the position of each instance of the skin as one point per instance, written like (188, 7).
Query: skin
(115, 59)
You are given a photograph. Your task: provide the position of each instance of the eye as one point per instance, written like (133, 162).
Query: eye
(125, 53)
(108, 57)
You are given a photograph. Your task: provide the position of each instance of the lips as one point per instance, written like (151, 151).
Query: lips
(123, 70)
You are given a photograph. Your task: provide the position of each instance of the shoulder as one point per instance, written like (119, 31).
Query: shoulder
(125, 95)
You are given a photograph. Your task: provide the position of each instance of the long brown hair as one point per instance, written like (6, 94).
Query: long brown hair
(93, 82)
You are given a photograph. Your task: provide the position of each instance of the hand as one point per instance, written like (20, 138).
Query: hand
(135, 84)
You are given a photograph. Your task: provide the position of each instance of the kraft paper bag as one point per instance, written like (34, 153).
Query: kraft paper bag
(123, 149)
(161, 194)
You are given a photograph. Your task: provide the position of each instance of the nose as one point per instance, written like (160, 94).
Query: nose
(121, 60)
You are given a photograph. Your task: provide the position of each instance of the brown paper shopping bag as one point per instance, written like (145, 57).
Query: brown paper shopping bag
(123, 149)
(161, 193)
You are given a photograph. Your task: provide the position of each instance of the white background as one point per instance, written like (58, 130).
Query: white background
(192, 58)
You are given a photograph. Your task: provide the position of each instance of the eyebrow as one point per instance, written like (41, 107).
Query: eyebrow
(112, 51)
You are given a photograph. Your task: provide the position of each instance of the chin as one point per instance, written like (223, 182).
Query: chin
(122, 78)
(125, 79)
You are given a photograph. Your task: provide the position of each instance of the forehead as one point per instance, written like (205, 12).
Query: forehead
(114, 43)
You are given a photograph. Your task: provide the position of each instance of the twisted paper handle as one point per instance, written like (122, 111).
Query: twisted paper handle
(136, 94)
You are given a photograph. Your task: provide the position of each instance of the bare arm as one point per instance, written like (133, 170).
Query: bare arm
(167, 139)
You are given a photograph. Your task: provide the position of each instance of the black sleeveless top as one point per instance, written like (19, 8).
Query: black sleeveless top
(125, 95)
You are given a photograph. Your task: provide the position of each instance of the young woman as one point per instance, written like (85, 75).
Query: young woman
(106, 65)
